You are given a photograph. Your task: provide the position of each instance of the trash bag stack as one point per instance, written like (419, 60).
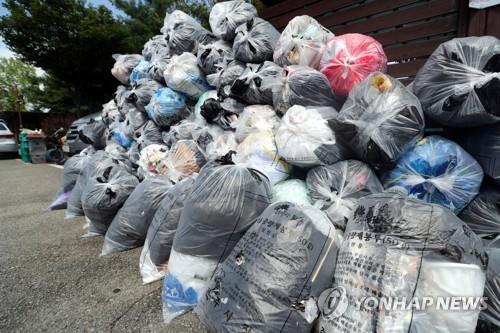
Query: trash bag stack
(240, 157)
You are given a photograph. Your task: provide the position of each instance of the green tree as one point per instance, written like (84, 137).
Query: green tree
(145, 17)
(19, 85)
(71, 41)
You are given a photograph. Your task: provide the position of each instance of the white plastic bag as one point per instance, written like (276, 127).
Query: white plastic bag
(124, 65)
(183, 75)
(292, 190)
(255, 118)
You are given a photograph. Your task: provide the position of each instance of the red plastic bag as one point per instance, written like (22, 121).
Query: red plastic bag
(350, 58)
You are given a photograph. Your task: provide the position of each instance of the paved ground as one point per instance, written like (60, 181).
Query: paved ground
(51, 280)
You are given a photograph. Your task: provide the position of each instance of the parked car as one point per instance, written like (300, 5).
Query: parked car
(8, 143)
(73, 144)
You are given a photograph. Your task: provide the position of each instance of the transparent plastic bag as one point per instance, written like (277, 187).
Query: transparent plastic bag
(229, 71)
(124, 65)
(336, 189)
(302, 42)
(223, 204)
(152, 160)
(483, 213)
(182, 32)
(184, 159)
(110, 114)
(251, 86)
(273, 277)
(105, 191)
(183, 75)
(221, 145)
(130, 225)
(483, 144)
(206, 135)
(122, 135)
(349, 59)
(141, 93)
(184, 130)
(255, 118)
(379, 121)
(94, 133)
(459, 83)
(258, 151)
(72, 169)
(255, 41)
(304, 134)
(211, 55)
(167, 107)
(226, 16)
(300, 85)
(141, 71)
(158, 63)
(160, 236)
(148, 134)
(437, 171)
(223, 112)
(292, 190)
(157, 44)
(398, 248)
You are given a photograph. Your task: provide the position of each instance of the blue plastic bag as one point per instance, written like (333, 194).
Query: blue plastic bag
(140, 71)
(167, 107)
(437, 171)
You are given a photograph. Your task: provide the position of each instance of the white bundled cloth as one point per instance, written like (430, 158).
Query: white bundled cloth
(226, 16)
(255, 118)
(183, 75)
(302, 43)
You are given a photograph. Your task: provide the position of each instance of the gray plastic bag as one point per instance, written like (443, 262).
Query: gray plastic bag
(157, 44)
(489, 319)
(379, 121)
(182, 32)
(459, 83)
(251, 86)
(141, 93)
(255, 41)
(273, 277)
(336, 189)
(397, 247)
(105, 192)
(483, 213)
(211, 55)
(124, 65)
(226, 16)
(161, 232)
(130, 225)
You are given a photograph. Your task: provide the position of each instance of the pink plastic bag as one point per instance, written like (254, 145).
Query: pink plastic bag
(350, 58)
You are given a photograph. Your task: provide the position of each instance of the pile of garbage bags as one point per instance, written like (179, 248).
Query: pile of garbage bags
(275, 179)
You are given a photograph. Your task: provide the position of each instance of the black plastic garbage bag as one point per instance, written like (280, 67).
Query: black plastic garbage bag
(97, 161)
(300, 85)
(94, 133)
(459, 83)
(255, 41)
(484, 145)
(130, 225)
(251, 86)
(157, 44)
(161, 232)
(273, 277)
(211, 55)
(105, 192)
(397, 248)
(379, 121)
(223, 204)
(483, 213)
(226, 16)
(337, 188)
(182, 32)
(141, 93)
(489, 319)
(72, 169)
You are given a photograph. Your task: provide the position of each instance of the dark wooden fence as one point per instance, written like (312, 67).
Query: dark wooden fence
(409, 29)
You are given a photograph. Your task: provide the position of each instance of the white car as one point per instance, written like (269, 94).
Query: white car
(8, 142)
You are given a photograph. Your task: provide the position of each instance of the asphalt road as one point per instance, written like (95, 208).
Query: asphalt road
(52, 280)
